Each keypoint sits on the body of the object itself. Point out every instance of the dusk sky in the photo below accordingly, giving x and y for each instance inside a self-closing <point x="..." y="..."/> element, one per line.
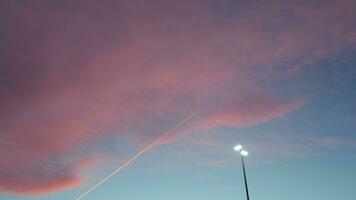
<point x="87" y="84"/>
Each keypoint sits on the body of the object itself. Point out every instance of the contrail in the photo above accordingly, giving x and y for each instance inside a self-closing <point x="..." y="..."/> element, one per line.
<point x="156" y="142"/>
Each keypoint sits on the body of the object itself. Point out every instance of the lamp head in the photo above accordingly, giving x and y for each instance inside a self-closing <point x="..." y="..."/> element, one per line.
<point x="244" y="153"/>
<point x="238" y="147"/>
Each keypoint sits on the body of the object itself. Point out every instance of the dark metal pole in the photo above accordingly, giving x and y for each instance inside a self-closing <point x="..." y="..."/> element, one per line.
<point x="243" y="168"/>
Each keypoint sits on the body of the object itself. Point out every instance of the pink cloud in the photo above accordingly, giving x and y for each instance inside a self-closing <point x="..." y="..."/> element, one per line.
<point x="73" y="74"/>
<point x="28" y="177"/>
<point x="251" y="110"/>
<point x="39" y="186"/>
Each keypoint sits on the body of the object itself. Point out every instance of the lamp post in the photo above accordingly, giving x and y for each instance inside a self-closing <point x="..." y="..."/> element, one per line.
<point x="243" y="154"/>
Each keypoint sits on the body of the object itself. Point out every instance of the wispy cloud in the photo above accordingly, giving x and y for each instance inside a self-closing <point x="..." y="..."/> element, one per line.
<point x="251" y="110"/>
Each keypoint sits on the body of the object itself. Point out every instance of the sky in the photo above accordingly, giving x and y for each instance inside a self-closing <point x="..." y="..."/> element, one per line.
<point x="86" y="84"/>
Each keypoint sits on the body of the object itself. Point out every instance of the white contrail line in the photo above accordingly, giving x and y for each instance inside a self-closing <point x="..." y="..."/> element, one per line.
<point x="170" y="131"/>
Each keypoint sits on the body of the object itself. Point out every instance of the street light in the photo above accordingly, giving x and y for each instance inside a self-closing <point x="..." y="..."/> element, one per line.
<point x="243" y="154"/>
<point x="238" y="147"/>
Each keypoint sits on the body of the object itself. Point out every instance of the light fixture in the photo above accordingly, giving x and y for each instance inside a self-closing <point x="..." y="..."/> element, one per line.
<point x="244" y="153"/>
<point x="238" y="147"/>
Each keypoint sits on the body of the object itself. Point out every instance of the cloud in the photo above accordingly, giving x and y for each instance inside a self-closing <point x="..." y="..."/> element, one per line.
<point x="74" y="73"/>
<point x="252" y="110"/>
<point x="35" y="179"/>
